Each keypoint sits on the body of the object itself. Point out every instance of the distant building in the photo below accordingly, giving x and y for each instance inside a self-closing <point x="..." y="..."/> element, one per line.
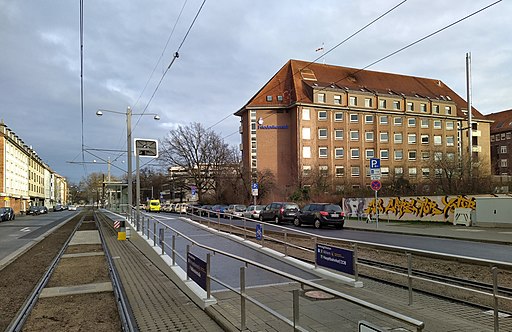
<point x="501" y="142"/>
<point x="24" y="178"/>
<point x="330" y="120"/>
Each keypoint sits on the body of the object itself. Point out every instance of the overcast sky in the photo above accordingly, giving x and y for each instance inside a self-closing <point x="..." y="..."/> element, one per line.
<point x="233" y="49"/>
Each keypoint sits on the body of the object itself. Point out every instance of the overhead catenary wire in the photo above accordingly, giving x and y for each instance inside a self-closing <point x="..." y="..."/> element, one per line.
<point x="403" y="48"/>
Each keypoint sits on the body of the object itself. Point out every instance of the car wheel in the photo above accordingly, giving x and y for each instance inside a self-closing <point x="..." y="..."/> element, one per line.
<point x="297" y="222"/>
<point x="318" y="224"/>
<point x="277" y="219"/>
<point x="261" y="217"/>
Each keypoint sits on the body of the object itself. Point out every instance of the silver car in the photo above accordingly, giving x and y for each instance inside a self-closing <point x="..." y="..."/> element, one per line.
<point x="253" y="211"/>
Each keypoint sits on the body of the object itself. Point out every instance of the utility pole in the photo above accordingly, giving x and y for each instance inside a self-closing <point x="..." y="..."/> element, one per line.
<point x="470" y="115"/>
<point x="129" y="157"/>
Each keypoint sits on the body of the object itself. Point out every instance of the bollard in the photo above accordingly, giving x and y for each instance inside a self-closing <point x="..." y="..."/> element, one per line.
<point x="121" y="234"/>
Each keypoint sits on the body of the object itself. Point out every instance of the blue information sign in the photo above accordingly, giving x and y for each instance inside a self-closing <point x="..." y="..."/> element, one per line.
<point x="335" y="258"/>
<point x="374" y="163"/>
<point x="196" y="270"/>
<point x="259" y="232"/>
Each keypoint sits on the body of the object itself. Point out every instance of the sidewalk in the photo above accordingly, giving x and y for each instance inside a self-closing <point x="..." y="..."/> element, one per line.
<point x="432" y="229"/>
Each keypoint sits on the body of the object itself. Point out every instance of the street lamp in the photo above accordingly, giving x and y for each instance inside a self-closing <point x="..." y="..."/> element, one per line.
<point x="128" y="115"/>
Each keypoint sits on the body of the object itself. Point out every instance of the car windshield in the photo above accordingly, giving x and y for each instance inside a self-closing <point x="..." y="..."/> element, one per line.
<point x="291" y="206"/>
<point x="332" y="208"/>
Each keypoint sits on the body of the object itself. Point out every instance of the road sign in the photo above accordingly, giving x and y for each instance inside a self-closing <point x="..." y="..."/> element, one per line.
<point x="376" y="185"/>
<point x="146" y="147"/>
<point x="259" y="232"/>
<point x="255" y="187"/>
<point x="374" y="163"/>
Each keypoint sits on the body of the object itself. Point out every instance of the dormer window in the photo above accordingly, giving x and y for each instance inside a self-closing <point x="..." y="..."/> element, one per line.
<point x="269" y="98"/>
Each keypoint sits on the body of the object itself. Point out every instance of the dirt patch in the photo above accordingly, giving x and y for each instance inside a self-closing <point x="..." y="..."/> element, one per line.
<point x="82" y="248"/>
<point x="88" y="226"/>
<point x="87" y="312"/>
<point x="79" y="271"/>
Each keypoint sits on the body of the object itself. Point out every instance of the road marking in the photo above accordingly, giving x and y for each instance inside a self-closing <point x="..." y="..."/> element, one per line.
<point x="505" y="232"/>
<point x="469" y="230"/>
<point x="25" y="229"/>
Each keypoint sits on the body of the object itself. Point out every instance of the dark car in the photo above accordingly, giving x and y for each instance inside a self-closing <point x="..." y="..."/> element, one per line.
<point x="43" y="209"/>
<point x="6" y="214"/>
<point x="279" y="212"/>
<point x="219" y="210"/>
<point x="320" y="215"/>
<point x="34" y="210"/>
<point x="58" y="207"/>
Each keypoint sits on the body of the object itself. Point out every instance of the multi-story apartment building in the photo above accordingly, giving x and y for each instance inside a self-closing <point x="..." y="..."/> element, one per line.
<point x="331" y="120"/>
<point x="501" y="142"/>
<point x="24" y="177"/>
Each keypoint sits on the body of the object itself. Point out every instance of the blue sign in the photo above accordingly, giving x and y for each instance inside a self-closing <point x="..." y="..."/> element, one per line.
<point x="259" y="232"/>
<point x="255" y="185"/>
<point x="374" y="163"/>
<point x="335" y="258"/>
<point x="196" y="270"/>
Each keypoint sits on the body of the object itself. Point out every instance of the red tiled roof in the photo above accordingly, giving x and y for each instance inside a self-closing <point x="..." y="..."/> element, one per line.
<point x="292" y="85"/>
<point x="502" y="121"/>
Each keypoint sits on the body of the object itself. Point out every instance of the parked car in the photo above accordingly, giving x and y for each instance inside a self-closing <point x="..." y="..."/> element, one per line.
<point x="205" y="209"/>
<point x="279" y="212"/>
<point x="219" y="210"/>
<point x="6" y="214"/>
<point x="320" y="215"/>
<point x="72" y="207"/>
<point x="236" y="210"/>
<point x="192" y="207"/>
<point x="33" y="210"/>
<point x="253" y="211"/>
<point x="43" y="209"/>
<point x="57" y="207"/>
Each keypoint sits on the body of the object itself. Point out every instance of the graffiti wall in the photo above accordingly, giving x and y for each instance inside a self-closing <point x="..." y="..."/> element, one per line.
<point x="423" y="208"/>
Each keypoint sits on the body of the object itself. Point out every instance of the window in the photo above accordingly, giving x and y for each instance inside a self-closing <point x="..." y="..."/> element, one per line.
<point x="425" y="155"/>
<point x="279" y="98"/>
<point x="423" y="108"/>
<point x="354" y="135"/>
<point x="354" y="153"/>
<point x="322" y="115"/>
<point x="509" y="135"/>
<point x="306" y="133"/>
<point x="269" y="98"/>
<point x="450" y="156"/>
<point x="306" y="152"/>
<point x="503" y="149"/>
<point x="352" y="101"/>
<point x="399" y="171"/>
<point x="412" y="155"/>
<point x="338" y="134"/>
<point x="355" y="171"/>
<point x="411" y="138"/>
<point x="413" y="171"/>
<point x="435" y="109"/>
<point x="305" y="114"/>
<point x="438" y="140"/>
<point x="339" y="153"/>
<point x="321" y="97"/>
<point x="322" y="152"/>
<point x="438" y="156"/>
<point x="424" y="139"/>
<point x="438" y="172"/>
<point x="448" y="110"/>
<point x="338" y="116"/>
<point x="337" y="99"/>
<point x="411" y="122"/>
<point x="322" y="133"/>
<point x="368" y="136"/>
<point x="383" y="119"/>
<point x="368" y="102"/>
<point x="397" y="121"/>
<point x="410" y="106"/>
<point x="306" y="170"/>
<point x="437" y="124"/>
<point x="450" y="141"/>
<point x="340" y="171"/>
<point x="425" y="172"/>
<point x="354" y="117"/>
<point x="449" y="125"/>
<point x="382" y="103"/>
<point x="384" y="171"/>
<point x="396" y="105"/>
<point x="497" y="137"/>
<point x="503" y="163"/>
<point x="368" y="119"/>
<point x="424" y="123"/>
<point x="384" y="137"/>
<point x="399" y="154"/>
<point x="384" y="154"/>
<point x="398" y="138"/>
<point x="324" y="170"/>
<point x="369" y="153"/>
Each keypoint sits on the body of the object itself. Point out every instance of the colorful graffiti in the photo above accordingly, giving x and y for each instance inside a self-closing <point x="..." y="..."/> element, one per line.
<point x="420" y="207"/>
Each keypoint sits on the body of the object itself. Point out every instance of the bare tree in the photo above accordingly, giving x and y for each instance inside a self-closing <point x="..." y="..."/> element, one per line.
<point x="199" y="152"/>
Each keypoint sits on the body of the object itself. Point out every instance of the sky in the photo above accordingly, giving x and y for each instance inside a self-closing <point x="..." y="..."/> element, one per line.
<point x="229" y="53"/>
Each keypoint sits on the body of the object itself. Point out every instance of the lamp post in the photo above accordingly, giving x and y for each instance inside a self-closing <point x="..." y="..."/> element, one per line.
<point x="128" y="115"/>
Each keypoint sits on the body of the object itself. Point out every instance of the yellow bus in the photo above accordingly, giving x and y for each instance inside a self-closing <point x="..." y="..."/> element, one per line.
<point x="154" y="205"/>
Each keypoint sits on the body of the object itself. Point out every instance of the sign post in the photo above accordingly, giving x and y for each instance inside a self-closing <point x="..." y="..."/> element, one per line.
<point x="375" y="184"/>
<point x="144" y="148"/>
<point x="255" y="188"/>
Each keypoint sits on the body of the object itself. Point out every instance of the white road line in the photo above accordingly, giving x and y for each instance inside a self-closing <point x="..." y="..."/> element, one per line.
<point x="25" y="229"/>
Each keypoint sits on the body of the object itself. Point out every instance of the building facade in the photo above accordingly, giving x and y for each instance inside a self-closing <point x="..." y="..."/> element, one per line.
<point x="501" y="142"/>
<point x="24" y="178"/>
<point x="329" y="120"/>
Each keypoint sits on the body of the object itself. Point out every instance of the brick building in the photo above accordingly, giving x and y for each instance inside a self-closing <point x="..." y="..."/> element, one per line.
<point x="330" y="120"/>
<point x="501" y="142"/>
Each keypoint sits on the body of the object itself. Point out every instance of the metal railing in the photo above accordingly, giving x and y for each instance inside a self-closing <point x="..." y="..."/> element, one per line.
<point x="150" y="227"/>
